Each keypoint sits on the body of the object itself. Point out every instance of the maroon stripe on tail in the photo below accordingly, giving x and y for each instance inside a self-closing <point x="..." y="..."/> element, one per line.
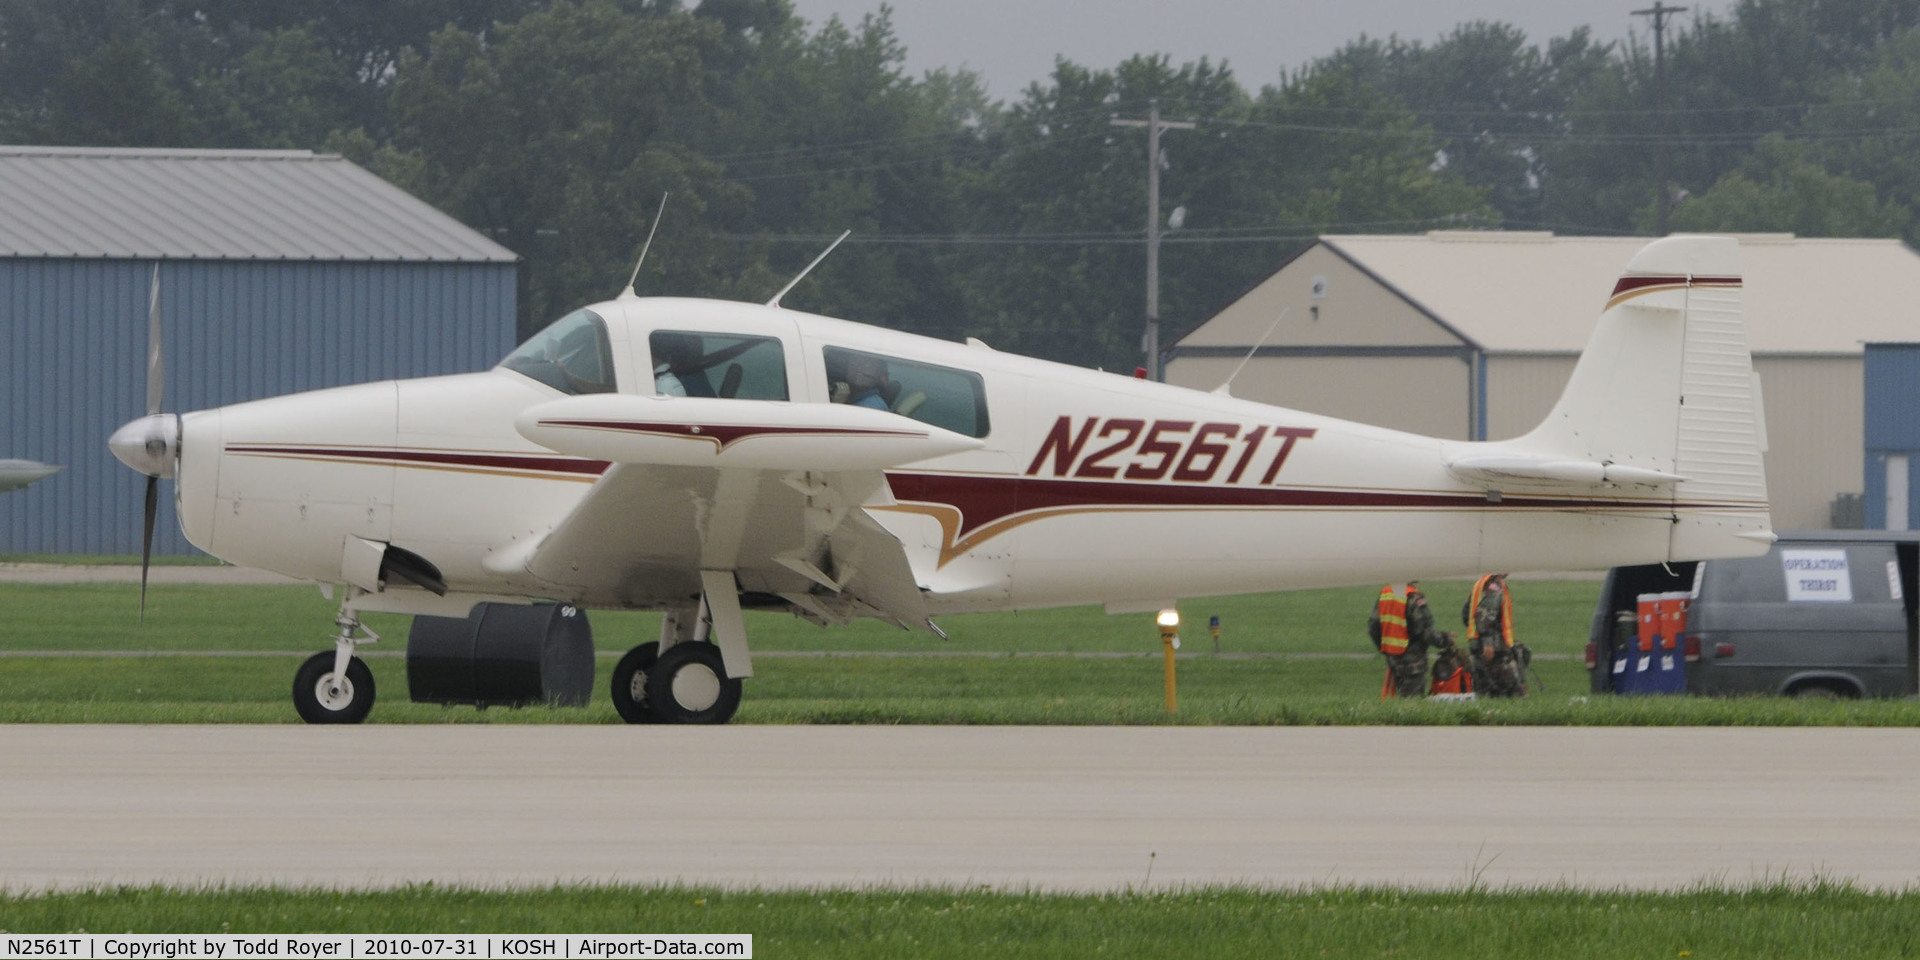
<point x="1630" y="284"/>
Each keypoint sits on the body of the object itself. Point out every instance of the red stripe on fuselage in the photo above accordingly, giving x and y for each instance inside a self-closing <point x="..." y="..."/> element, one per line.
<point x="723" y="434"/>
<point x="436" y="458"/>
<point x="984" y="500"/>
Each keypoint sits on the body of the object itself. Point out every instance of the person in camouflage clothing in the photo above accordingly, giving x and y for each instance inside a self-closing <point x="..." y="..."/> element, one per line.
<point x="1499" y="664"/>
<point x="1401" y="627"/>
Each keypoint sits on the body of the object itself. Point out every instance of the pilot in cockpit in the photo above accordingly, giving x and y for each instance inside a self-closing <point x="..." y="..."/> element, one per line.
<point x="679" y="365"/>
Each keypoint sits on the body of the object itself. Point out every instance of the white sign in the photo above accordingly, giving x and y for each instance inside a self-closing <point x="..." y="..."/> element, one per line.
<point x="1817" y="576"/>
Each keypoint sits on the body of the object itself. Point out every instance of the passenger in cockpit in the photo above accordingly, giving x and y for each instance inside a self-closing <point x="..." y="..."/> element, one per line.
<point x="866" y="377"/>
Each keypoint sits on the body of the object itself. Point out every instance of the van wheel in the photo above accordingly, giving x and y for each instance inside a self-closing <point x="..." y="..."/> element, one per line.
<point x="1819" y="691"/>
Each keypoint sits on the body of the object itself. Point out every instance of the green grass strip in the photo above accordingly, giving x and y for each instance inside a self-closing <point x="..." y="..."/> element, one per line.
<point x="1553" y="616"/>
<point x="1785" y="919"/>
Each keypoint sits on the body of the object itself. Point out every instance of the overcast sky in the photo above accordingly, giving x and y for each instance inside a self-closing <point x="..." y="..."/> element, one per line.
<point x="1013" y="42"/>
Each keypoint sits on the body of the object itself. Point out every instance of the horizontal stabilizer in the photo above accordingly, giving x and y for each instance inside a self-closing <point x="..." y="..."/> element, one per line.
<point x="743" y="434"/>
<point x="1497" y="469"/>
<point x="15" y="474"/>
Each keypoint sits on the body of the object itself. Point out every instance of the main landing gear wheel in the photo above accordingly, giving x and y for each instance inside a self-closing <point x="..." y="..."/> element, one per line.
<point x="688" y="684"/>
<point x="322" y="697"/>
<point x="630" y="684"/>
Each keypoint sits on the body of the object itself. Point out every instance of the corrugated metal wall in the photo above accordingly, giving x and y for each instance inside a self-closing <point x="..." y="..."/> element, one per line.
<point x="1892" y="426"/>
<point x="1420" y="394"/>
<point x="75" y="334"/>
<point x="1521" y="391"/>
<point x="1813" y="435"/>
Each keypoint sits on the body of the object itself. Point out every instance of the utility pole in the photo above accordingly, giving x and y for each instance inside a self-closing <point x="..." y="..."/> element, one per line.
<point x="1154" y="125"/>
<point x="1663" y="202"/>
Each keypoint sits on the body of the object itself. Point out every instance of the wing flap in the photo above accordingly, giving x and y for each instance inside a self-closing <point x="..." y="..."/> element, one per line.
<point x="644" y="535"/>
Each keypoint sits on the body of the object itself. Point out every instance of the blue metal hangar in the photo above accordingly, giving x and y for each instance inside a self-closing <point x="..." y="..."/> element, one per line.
<point x="280" y="270"/>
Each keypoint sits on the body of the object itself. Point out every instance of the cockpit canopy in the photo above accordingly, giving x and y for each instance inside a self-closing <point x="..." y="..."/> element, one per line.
<point x="572" y="355"/>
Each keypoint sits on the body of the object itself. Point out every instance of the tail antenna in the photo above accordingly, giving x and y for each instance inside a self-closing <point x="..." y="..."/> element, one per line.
<point x="803" y="274"/>
<point x="629" y="294"/>
<point x="1275" y="325"/>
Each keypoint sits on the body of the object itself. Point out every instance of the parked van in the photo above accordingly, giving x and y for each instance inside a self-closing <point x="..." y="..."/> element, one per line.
<point x="1827" y="613"/>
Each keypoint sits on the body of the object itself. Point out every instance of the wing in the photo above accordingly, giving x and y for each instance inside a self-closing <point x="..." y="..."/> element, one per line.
<point x="770" y="491"/>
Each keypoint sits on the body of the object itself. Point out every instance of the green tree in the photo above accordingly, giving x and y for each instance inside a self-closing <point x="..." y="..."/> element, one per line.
<point x="1269" y="169"/>
<point x="828" y="134"/>
<point x="1496" y="103"/>
<point x="547" y="135"/>
<point x="98" y="73"/>
<point x="1781" y="189"/>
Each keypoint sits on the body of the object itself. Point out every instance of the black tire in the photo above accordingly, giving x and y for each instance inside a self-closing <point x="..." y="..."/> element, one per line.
<point x="629" y="687"/>
<point x="1821" y="691"/>
<point x="689" y="684"/>
<point x="319" y="700"/>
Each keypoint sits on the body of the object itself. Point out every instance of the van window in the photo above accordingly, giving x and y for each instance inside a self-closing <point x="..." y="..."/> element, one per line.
<point x="724" y="365"/>
<point x="572" y="355"/>
<point x="943" y="396"/>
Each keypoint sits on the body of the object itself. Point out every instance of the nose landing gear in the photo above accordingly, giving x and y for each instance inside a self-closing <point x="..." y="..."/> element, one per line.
<point x="336" y="686"/>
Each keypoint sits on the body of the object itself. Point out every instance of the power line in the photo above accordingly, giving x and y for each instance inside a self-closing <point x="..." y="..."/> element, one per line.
<point x="1523" y="138"/>
<point x="1270" y="233"/>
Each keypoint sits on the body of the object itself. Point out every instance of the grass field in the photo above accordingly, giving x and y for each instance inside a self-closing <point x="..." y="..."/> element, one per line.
<point x="1782" y="920"/>
<point x="1553" y="616"/>
<point x="1285" y="658"/>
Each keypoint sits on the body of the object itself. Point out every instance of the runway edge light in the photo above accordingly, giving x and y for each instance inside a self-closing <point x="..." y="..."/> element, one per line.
<point x="1170" y="641"/>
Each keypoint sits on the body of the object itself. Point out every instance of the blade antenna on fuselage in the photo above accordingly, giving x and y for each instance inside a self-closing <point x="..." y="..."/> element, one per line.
<point x="803" y="274"/>
<point x="657" y="214"/>
<point x="1222" y="388"/>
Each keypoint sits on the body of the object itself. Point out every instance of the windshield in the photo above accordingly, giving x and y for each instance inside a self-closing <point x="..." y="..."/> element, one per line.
<point x="572" y="356"/>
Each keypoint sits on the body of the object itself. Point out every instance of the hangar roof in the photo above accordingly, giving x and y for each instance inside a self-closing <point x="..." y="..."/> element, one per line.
<point x="1511" y="292"/>
<point x="218" y="204"/>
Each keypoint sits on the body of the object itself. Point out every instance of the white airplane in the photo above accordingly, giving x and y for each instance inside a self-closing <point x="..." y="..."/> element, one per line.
<point x="700" y="457"/>
<point x="15" y="474"/>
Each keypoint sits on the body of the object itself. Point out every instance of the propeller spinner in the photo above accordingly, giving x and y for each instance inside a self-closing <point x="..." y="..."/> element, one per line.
<point x="150" y="444"/>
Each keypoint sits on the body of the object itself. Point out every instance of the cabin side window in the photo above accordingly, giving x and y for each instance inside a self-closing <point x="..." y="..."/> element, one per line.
<point x="572" y="355"/>
<point x="943" y="396"/>
<point x="728" y="366"/>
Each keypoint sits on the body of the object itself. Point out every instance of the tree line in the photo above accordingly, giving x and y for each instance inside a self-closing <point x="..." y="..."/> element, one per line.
<point x="555" y="127"/>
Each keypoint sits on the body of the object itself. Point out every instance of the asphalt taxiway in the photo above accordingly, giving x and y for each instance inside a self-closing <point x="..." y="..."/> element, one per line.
<point x="1084" y="808"/>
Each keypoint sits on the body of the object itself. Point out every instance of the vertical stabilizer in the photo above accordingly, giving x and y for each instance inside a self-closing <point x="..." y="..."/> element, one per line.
<point x="1666" y="385"/>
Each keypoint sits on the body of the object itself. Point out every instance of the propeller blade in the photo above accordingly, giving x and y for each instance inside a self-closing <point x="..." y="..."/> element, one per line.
<point x="146" y="541"/>
<point x="156" y="370"/>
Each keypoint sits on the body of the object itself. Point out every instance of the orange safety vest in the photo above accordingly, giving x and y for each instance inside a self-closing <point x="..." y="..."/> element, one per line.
<point x="1506" y="612"/>
<point x="1393" y="622"/>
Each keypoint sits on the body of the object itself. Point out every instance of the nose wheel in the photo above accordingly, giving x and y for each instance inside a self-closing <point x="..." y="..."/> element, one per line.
<point x="322" y="694"/>
<point x="336" y="686"/>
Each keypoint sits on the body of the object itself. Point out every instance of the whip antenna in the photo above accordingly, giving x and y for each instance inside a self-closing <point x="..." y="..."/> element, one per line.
<point x="648" y="245"/>
<point x="1222" y="388"/>
<point x="803" y="274"/>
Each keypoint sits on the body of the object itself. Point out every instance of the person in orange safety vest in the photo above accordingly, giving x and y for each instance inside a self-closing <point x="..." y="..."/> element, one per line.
<point x="1499" y="664"/>
<point x="1401" y="627"/>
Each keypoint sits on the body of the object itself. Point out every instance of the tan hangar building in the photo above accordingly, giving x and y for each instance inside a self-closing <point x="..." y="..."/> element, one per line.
<point x="1472" y="335"/>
